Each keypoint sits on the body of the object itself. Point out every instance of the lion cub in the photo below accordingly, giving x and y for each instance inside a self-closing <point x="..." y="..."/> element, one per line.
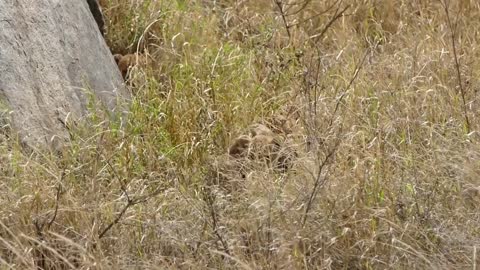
<point x="262" y="145"/>
<point x="126" y="62"/>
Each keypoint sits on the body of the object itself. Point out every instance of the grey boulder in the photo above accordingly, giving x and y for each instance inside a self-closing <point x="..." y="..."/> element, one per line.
<point x="52" y="57"/>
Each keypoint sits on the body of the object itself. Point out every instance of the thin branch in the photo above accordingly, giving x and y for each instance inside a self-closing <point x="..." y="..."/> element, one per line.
<point x="57" y="199"/>
<point x="130" y="202"/>
<point x="210" y="200"/>
<point x="284" y="19"/>
<point x="302" y="5"/>
<point x="314" y="15"/>
<point x="453" y="30"/>
<point x="335" y="17"/>
<point x="319" y="181"/>
<point x="117" y="219"/>
<point x="358" y="67"/>
<point x="122" y="185"/>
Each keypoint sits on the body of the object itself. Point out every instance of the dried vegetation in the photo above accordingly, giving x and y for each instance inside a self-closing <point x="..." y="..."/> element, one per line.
<point x="266" y="134"/>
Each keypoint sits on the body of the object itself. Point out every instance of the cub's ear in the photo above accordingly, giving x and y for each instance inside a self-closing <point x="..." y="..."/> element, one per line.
<point x="240" y="146"/>
<point x="117" y="57"/>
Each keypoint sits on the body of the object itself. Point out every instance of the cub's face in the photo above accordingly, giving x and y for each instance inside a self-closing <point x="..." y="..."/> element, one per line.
<point x="125" y="62"/>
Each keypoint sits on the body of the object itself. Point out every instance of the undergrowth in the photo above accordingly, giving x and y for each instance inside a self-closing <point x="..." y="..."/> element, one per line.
<point x="380" y="99"/>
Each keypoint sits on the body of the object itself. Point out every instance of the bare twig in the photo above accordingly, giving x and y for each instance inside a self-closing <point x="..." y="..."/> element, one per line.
<point x="39" y="252"/>
<point x="314" y="15"/>
<point x="117" y="219"/>
<point x="57" y="199"/>
<point x="130" y="202"/>
<point x="453" y="31"/>
<point x="302" y="5"/>
<point x="210" y="200"/>
<point x="122" y="185"/>
<point x="335" y="17"/>
<point x="319" y="181"/>
<point x="284" y="19"/>
<point x="41" y="226"/>
<point x="356" y="71"/>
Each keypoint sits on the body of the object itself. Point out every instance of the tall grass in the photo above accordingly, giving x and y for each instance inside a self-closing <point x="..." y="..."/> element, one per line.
<point x="385" y="169"/>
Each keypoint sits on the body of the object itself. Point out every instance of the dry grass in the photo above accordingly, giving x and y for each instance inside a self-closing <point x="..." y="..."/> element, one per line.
<point x="383" y="122"/>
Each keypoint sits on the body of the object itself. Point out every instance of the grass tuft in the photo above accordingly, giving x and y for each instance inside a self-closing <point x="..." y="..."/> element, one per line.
<point x="375" y="102"/>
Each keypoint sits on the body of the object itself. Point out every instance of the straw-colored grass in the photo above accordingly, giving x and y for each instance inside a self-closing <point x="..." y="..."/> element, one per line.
<point x="382" y="115"/>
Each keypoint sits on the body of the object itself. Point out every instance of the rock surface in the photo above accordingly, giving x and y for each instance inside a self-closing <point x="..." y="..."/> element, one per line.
<point x="52" y="55"/>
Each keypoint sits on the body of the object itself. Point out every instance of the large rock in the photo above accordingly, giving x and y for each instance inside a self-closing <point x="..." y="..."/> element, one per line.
<point x="52" y="55"/>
